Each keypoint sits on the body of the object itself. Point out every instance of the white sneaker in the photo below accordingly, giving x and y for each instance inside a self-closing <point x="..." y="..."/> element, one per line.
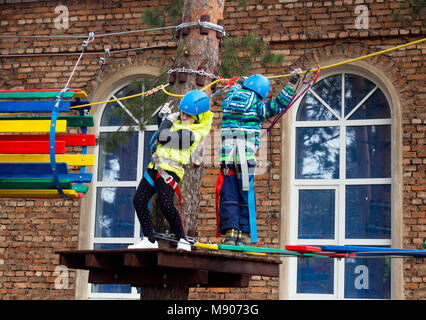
<point x="183" y="245"/>
<point x="144" y="243"/>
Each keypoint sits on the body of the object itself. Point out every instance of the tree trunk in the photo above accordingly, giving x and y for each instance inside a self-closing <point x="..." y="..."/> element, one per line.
<point x="200" y="51"/>
<point x="198" y="48"/>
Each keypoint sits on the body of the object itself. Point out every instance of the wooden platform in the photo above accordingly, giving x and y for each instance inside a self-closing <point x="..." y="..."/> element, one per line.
<point x="160" y="267"/>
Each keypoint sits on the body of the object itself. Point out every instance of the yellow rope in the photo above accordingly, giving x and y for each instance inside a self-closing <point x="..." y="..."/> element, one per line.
<point x="270" y="77"/>
<point x="356" y="59"/>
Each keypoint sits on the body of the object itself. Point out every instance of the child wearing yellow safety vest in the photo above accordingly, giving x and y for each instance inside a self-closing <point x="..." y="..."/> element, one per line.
<point x="176" y="139"/>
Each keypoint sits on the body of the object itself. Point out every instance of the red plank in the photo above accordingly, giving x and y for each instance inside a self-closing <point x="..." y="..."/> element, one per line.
<point x="303" y="249"/>
<point x="69" y="139"/>
<point x="30" y="147"/>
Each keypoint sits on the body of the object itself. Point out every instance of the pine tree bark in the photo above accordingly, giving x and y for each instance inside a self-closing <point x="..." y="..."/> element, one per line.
<point x="198" y="48"/>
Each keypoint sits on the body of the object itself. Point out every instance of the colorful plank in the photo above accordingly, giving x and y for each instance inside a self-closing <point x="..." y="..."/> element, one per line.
<point x="41" y="94"/>
<point x="69" y="139"/>
<point x="33" y="184"/>
<point x="30" y="169"/>
<point x="317" y="250"/>
<point x="38" y="106"/>
<point x="29" y="147"/>
<point x="39" y="194"/>
<point x="250" y="249"/>
<point x="375" y="250"/>
<point x="72" y="121"/>
<point x="40" y="171"/>
<point x="69" y="159"/>
<point x="10" y="126"/>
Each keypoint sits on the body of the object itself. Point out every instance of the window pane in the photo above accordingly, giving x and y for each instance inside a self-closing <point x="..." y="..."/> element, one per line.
<point x="311" y="109"/>
<point x="111" y="288"/>
<point x="356" y="88"/>
<point x="368" y="152"/>
<point x="316" y="214"/>
<point x="368" y="212"/>
<point x="315" y="275"/>
<point x="115" y="216"/>
<point x="368" y="278"/>
<point x="330" y="90"/>
<point x="119" y="164"/>
<point x="114" y="115"/>
<point x="317" y="153"/>
<point x="376" y="107"/>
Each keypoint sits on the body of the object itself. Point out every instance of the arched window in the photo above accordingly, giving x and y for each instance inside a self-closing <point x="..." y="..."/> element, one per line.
<point x="341" y="186"/>
<point x="116" y="177"/>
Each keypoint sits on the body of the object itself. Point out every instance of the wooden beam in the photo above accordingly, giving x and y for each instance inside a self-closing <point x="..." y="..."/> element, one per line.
<point x="168" y="259"/>
<point x="158" y="277"/>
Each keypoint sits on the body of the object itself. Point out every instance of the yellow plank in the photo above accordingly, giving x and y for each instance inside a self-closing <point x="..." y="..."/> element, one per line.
<point x="70" y="159"/>
<point x="31" y="125"/>
<point x="81" y="95"/>
<point x="206" y="246"/>
<point x="36" y="194"/>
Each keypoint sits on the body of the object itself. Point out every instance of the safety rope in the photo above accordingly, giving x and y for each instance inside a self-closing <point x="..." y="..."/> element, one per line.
<point x="312" y="70"/>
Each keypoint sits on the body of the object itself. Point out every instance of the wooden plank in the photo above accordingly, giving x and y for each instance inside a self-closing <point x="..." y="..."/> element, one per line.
<point x="30" y="169"/>
<point x="38" y="194"/>
<point x="39" y="106"/>
<point x="99" y="261"/>
<point x="156" y="277"/>
<point x="135" y="260"/>
<point x="80" y="188"/>
<point x="40" y="171"/>
<point x="70" y="139"/>
<point x="72" y="121"/>
<point x="33" y="184"/>
<point x="29" y="147"/>
<point x="167" y="259"/>
<point x="31" y="126"/>
<point x="69" y="159"/>
<point x="72" y="177"/>
<point x="41" y="94"/>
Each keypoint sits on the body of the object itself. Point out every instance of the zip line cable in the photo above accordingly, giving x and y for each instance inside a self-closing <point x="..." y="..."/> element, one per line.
<point x="87" y="53"/>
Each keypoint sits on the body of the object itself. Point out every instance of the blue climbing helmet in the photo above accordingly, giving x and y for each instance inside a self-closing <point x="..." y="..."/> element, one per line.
<point x="259" y="84"/>
<point x="195" y="102"/>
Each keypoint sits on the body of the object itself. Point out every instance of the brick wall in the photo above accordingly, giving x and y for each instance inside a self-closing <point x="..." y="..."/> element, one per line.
<point x="31" y="231"/>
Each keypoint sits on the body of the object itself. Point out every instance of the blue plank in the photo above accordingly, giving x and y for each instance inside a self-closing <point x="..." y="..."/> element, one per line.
<point x="30" y="168"/>
<point x="73" y="177"/>
<point x="375" y="250"/>
<point x="38" y="106"/>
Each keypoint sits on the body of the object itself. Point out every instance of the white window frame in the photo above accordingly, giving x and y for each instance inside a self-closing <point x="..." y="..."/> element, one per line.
<point x="97" y="184"/>
<point x="337" y="184"/>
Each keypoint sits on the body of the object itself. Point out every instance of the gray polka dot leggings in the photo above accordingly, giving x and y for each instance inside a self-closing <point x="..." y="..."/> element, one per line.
<point x="166" y="195"/>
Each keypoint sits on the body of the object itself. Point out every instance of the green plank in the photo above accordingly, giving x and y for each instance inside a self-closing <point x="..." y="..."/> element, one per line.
<point x="33" y="184"/>
<point x="72" y="121"/>
<point x="35" y="95"/>
<point x="80" y="188"/>
<point x="264" y="250"/>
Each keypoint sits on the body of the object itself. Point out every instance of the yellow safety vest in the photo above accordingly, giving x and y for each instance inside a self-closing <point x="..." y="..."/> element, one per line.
<point x="174" y="159"/>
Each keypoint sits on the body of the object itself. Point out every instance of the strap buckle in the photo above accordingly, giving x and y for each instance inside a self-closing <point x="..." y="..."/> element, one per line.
<point x="225" y="171"/>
